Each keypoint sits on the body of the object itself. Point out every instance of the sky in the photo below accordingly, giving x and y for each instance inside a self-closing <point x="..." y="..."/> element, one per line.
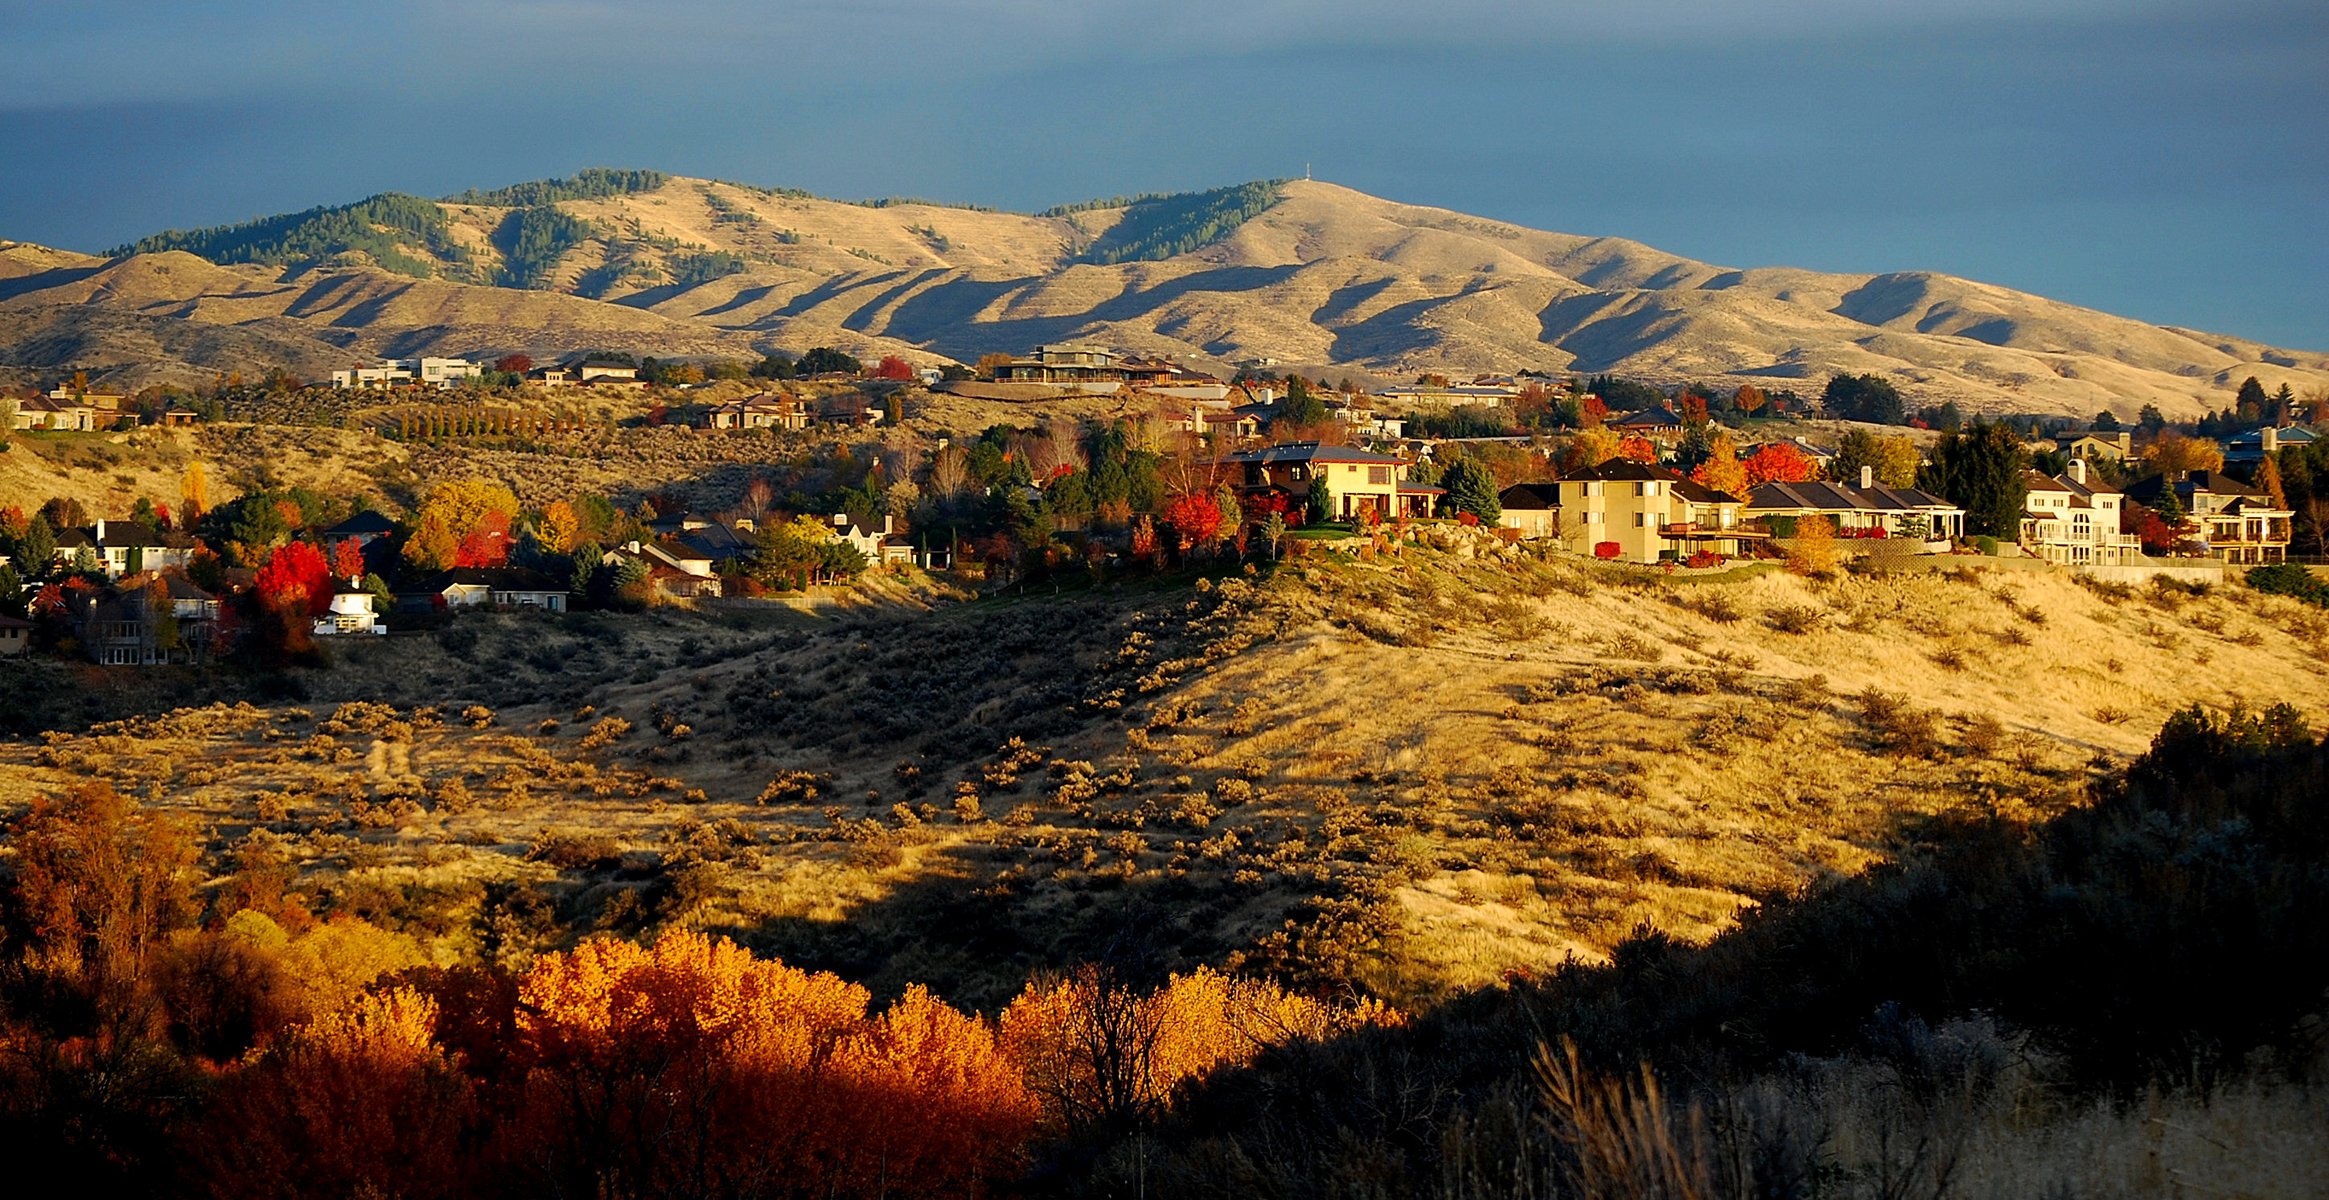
<point x="2161" y="159"/>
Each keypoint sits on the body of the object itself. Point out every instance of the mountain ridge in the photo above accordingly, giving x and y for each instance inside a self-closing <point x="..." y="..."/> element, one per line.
<point x="1307" y="274"/>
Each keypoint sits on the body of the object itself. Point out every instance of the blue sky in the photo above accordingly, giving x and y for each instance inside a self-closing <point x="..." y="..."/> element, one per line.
<point x="2161" y="159"/>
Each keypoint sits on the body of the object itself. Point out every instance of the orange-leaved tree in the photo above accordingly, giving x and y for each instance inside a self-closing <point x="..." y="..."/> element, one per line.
<point x="1779" y="463"/>
<point x="1195" y="518"/>
<point x="359" y="1102"/>
<point x="691" y="1066"/>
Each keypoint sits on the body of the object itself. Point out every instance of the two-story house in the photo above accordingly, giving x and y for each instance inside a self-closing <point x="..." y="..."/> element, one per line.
<point x="2076" y="520"/>
<point x="1357" y="481"/>
<point x="2230" y="519"/>
<point x="1641" y="512"/>
<point x="124" y="548"/>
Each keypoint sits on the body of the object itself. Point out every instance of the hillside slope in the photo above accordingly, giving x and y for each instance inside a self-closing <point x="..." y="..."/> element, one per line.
<point x="1310" y="274"/>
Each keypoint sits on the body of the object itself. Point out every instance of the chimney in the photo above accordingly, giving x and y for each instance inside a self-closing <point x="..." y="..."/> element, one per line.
<point x="2271" y="439"/>
<point x="2078" y="471"/>
<point x="2126" y="443"/>
<point x="1867" y="477"/>
<point x="100" y="531"/>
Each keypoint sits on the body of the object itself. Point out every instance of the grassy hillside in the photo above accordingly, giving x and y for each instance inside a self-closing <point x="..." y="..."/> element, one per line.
<point x="1315" y="276"/>
<point x="1407" y="777"/>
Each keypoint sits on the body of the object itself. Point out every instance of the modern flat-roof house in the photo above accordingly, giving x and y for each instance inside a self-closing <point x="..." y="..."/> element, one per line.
<point x="2234" y="521"/>
<point x="1861" y="511"/>
<point x="2076" y="520"/>
<point x="1532" y="508"/>
<point x="1357" y="481"/>
<point x="1643" y="513"/>
<point x="395" y="372"/>
<point x="1068" y="363"/>
<point x="1427" y="395"/>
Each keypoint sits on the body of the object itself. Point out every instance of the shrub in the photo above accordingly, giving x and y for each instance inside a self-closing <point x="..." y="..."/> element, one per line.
<point x="2290" y="579"/>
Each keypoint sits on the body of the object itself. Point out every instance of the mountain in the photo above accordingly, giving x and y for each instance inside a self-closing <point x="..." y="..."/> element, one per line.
<point x="1311" y="275"/>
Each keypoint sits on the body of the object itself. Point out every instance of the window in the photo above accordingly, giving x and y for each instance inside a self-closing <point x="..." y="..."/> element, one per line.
<point x="1378" y="476"/>
<point x="1641" y="489"/>
<point x="1641" y="520"/>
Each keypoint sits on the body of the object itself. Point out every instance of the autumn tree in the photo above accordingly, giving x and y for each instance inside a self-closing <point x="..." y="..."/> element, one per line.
<point x="2268" y="481"/>
<point x="1194" y="518"/>
<point x="1722" y="471"/>
<point x="1590" y="447"/>
<point x="451" y="514"/>
<point x="98" y="886"/>
<point x="347" y="560"/>
<point x="359" y="1102"/>
<point x="1779" y="462"/>
<point x="1812" y="550"/>
<point x="2175" y="456"/>
<point x="1749" y="399"/>
<point x="560" y="526"/>
<point x="193" y="494"/>
<point x="891" y="367"/>
<point x="1638" y="448"/>
<point x="295" y="578"/>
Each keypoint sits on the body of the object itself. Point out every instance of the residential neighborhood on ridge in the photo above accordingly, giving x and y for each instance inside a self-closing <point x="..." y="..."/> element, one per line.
<point x="1172" y="465"/>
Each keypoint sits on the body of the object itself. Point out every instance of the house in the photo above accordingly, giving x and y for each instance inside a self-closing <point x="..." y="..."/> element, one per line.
<point x="146" y="620"/>
<point x="767" y="411"/>
<point x="1364" y="421"/>
<point x="1357" y="481"/>
<point x="393" y="372"/>
<point x="599" y="370"/>
<point x="1660" y="424"/>
<point x="1426" y="395"/>
<point x="350" y="614"/>
<point x="15" y="636"/>
<point x="493" y="587"/>
<point x="554" y="376"/>
<point x="2099" y="447"/>
<point x="41" y="412"/>
<point x="2230" y="519"/>
<point x="2076" y="520"/>
<point x="880" y="547"/>
<point x="1865" y="511"/>
<point x="1075" y="364"/>
<point x="362" y="528"/>
<point x="1236" y="425"/>
<point x="1641" y="512"/>
<point x="2249" y="450"/>
<point x="124" y="548"/>
<point x="104" y="407"/>
<point x="1532" y="508"/>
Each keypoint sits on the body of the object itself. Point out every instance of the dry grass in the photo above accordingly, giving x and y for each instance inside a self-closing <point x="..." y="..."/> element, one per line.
<point x="1538" y="760"/>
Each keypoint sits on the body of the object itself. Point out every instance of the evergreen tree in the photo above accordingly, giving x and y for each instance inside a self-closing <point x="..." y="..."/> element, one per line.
<point x="2150" y="419"/>
<point x="1981" y="471"/>
<point x="1301" y="405"/>
<point x="1471" y="489"/>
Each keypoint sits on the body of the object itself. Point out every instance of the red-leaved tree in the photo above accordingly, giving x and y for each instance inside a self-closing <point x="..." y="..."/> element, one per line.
<point x="1194" y="518"/>
<point x="893" y="367"/>
<point x="295" y="577"/>
<point x="487" y="545"/>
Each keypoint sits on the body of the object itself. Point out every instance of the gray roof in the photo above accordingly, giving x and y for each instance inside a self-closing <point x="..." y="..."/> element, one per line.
<point x="1836" y="497"/>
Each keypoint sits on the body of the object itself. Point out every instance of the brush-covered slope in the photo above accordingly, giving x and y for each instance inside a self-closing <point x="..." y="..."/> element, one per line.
<point x="1406" y="776"/>
<point x="1310" y="274"/>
